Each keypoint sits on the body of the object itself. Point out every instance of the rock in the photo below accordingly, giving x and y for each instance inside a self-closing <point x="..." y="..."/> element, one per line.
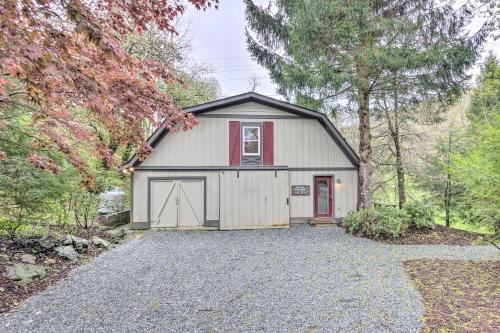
<point x="24" y="273"/>
<point x="80" y="244"/>
<point x="115" y="234"/>
<point x="99" y="242"/>
<point x="28" y="258"/>
<point x="49" y="261"/>
<point x="103" y="228"/>
<point x="47" y="242"/>
<point x="67" y="252"/>
<point x="67" y="240"/>
<point x="28" y="242"/>
<point x="115" y="219"/>
<point x="2" y="290"/>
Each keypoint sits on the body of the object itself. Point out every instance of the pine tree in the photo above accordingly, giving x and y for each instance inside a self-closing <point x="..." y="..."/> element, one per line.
<point x="327" y="53"/>
<point x="477" y="167"/>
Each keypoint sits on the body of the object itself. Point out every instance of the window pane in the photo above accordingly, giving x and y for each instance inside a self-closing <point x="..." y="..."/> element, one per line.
<point x="323" y="196"/>
<point x="251" y="133"/>
<point x="251" y="147"/>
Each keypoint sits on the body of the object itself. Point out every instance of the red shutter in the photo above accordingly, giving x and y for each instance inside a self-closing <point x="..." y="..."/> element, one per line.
<point x="268" y="151"/>
<point x="234" y="143"/>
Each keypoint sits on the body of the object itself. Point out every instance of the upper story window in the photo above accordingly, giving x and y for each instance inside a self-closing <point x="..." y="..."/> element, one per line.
<point x="251" y="139"/>
<point x="251" y="143"/>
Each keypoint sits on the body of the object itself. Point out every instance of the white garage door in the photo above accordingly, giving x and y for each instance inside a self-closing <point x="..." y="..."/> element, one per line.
<point x="254" y="199"/>
<point x="177" y="203"/>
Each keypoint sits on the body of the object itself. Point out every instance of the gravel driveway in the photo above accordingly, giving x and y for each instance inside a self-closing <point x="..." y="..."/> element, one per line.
<point x="302" y="279"/>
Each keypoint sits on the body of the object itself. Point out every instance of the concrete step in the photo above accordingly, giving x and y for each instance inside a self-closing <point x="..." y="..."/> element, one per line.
<point x="323" y="221"/>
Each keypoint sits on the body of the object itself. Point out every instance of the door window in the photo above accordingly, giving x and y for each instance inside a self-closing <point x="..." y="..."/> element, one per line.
<point x="323" y="196"/>
<point x="323" y="203"/>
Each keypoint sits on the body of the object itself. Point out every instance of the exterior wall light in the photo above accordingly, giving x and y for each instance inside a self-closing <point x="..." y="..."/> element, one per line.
<point x="127" y="170"/>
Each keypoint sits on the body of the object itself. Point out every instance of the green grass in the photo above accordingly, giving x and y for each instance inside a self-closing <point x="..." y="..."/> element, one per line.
<point x="415" y="193"/>
<point x="390" y="193"/>
<point x="462" y="225"/>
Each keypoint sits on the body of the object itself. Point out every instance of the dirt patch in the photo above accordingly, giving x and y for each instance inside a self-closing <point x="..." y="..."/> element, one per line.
<point x="12" y="294"/>
<point x="459" y="296"/>
<point x="440" y="235"/>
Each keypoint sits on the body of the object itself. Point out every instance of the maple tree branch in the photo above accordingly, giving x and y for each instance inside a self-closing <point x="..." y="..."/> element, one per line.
<point x="17" y="93"/>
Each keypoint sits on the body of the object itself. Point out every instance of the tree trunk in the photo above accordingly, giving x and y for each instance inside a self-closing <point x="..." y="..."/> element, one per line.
<point x="447" y="189"/>
<point x="447" y="199"/>
<point x="400" y="173"/>
<point x="365" y="151"/>
<point x="394" y="132"/>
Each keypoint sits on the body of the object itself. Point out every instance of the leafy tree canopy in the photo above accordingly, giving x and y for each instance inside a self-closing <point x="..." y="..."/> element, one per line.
<point x="477" y="169"/>
<point x="323" y="52"/>
<point x="62" y="61"/>
<point x="327" y="53"/>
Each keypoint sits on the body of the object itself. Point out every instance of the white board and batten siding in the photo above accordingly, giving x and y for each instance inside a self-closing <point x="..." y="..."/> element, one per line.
<point x="248" y="200"/>
<point x="254" y="199"/>
<point x="344" y="193"/>
<point x="243" y="199"/>
<point x="298" y="143"/>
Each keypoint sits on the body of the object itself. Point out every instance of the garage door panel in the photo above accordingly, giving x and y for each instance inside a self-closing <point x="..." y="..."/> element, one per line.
<point x="163" y="203"/>
<point x="284" y="210"/>
<point x="254" y="199"/>
<point x="191" y="203"/>
<point x="177" y="203"/>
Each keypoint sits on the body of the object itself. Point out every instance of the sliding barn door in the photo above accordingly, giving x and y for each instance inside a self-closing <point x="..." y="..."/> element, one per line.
<point x="254" y="199"/>
<point x="191" y="203"/>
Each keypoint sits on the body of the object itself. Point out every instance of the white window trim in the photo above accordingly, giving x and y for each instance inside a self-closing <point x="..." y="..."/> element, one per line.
<point x="243" y="141"/>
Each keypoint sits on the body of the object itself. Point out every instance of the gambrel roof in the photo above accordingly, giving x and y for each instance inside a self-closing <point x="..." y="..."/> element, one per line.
<point x="264" y="100"/>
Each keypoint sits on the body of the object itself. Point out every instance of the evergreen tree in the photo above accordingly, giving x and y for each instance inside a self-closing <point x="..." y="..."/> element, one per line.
<point x="477" y="168"/>
<point x="325" y="53"/>
<point x="437" y="179"/>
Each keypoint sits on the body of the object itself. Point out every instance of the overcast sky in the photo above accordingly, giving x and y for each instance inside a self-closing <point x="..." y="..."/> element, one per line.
<point x="218" y="38"/>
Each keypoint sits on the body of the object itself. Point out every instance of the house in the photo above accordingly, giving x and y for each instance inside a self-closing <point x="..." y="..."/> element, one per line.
<point x="251" y="162"/>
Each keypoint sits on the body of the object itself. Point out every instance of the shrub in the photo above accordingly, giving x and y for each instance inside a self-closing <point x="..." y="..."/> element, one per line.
<point x="390" y="222"/>
<point x="360" y="222"/>
<point x="421" y="215"/>
<point x="376" y="223"/>
<point x="27" y="194"/>
<point x="9" y="227"/>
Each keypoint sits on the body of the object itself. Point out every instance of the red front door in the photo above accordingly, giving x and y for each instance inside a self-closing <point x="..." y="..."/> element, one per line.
<point x="323" y="203"/>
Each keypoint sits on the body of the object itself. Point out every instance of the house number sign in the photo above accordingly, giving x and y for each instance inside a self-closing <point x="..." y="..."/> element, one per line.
<point x="301" y="190"/>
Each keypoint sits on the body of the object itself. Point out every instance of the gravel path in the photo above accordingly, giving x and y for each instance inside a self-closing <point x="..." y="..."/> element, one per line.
<point x="302" y="279"/>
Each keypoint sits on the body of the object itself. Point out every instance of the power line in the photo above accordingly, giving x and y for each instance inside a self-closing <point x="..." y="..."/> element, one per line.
<point x="220" y="58"/>
<point x="235" y="70"/>
<point x="244" y="78"/>
<point x="234" y="66"/>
